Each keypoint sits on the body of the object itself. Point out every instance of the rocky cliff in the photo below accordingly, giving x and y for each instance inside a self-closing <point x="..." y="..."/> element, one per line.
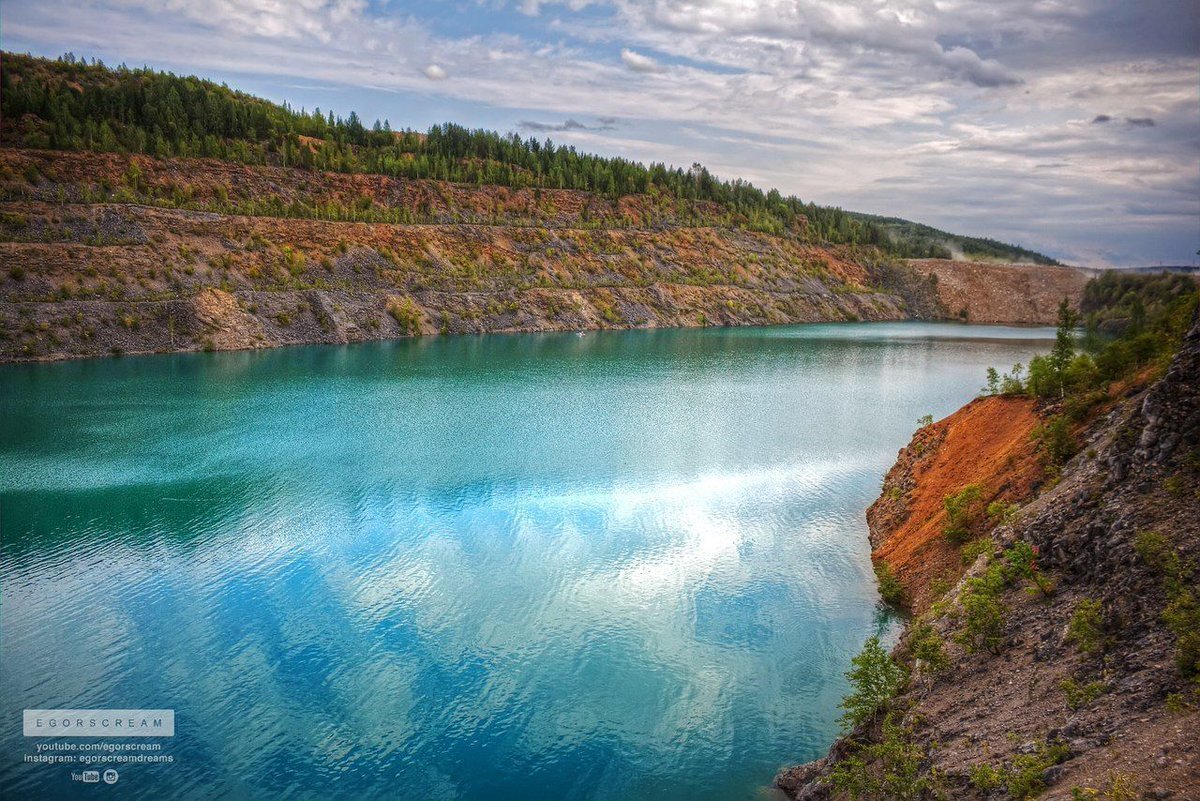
<point x="103" y="254"/>
<point x="110" y="253"/>
<point x="987" y="444"/>
<point x="988" y="292"/>
<point x="1064" y="663"/>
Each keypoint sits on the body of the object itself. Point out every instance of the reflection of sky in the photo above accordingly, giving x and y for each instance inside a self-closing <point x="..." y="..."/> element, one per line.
<point x="644" y="559"/>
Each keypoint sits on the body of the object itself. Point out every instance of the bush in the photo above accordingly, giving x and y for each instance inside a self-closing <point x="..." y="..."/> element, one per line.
<point x="293" y="261"/>
<point x="986" y="777"/>
<point x="1021" y="561"/>
<point x="1182" y="617"/>
<point x="407" y="315"/>
<point x="890" y="589"/>
<point x="1080" y="694"/>
<point x="1086" y="628"/>
<point x="984" y="613"/>
<point x="875" y="679"/>
<point x="1057" y="442"/>
<point x="1022" y="777"/>
<point x="964" y="509"/>
<point x="926" y="645"/>
<point x="1002" y="513"/>
<point x="1182" y="613"/>
<point x="984" y="617"/>
<point x="890" y="768"/>
<point x="972" y="550"/>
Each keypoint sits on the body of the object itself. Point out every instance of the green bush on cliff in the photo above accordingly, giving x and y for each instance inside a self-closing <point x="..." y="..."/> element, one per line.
<point x="926" y="646"/>
<point x="407" y="315"/>
<point x="1086" y="628"/>
<point x="888" y="768"/>
<point x="1079" y="695"/>
<point x="984" y="617"/>
<point x="1021" y="562"/>
<point x="1182" y="613"/>
<point x="1056" y="441"/>
<point x="964" y="509"/>
<point x="890" y="588"/>
<point x="1002" y="513"/>
<point x="976" y="548"/>
<point x="875" y="678"/>
<point x="1023" y="775"/>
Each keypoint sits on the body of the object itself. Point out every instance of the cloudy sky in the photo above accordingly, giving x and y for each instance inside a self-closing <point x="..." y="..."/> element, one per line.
<point x="1070" y="126"/>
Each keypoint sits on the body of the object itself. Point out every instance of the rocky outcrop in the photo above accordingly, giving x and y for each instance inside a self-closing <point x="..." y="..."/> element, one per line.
<point x="987" y="292"/>
<point x="1087" y="690"/>
<point x="171" y="280"/>
<point x="988" y="444"/>
<point x="109" y="253"/>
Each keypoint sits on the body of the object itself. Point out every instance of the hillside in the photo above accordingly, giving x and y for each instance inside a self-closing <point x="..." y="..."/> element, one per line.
<point x="68" y="104"/>
<point x="1058" y="657"/>
<point x="925" y="239"/>
<point x="91" y="278"/>
<point x="988" y="292"/>
<point x="143" y="212"/>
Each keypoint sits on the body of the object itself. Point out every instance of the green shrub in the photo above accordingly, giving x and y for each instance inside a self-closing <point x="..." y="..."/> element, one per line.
<point x="1022" y="776"/>
<point x="986" y="777"/>
<point x="1086" y="628"/>
<point x="973" y="549"/>
<point x="963" y="512"/>
<point x="875" y="678"/>
<point x="984" y="614"/>
<point x="1182" y="617"/>
<point x="1021" y="561"/>
<point x="1182" y="613"/>
<point x="1176" y="703"/>
<point x="890" y="589"/>
<point x="1002" y="513"/>
<point x="889" y="768"/>
<point x="407" y="314"/>
<point x="984" y="617"/>
<point x="1056" y="441"/>
<point x="1081" y="694"/>
<point x="293" y="261"/>
<point x="1158" y="552"/>
<point x="926" y="645"/>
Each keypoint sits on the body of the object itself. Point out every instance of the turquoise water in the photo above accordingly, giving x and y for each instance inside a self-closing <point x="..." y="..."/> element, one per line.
<point x="625" y="565"/>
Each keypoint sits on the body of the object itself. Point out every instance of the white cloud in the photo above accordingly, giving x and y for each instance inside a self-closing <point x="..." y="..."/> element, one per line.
<point x="969" y="114"/>
<point x="639" y="63"/>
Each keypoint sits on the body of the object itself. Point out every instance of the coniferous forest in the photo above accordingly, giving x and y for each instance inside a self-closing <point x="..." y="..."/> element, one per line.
<point x="73" y="104"/>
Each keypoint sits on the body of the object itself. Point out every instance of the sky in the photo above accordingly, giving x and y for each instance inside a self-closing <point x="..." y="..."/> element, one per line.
<point x="1068" y="126"/>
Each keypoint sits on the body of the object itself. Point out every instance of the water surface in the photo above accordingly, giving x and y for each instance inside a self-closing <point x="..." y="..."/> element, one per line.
<point x="623" y="565"/>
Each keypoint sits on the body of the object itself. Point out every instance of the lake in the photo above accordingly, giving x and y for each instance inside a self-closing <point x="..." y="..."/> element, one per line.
<point x="618" y="565"/>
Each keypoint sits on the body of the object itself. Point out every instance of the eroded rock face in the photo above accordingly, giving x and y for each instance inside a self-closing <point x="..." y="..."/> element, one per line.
<point x="169" y="280"/>
<point x="1170" y="414"/>
<point x="987" y="443"/>
<point x="1022" y="294"/>
<point x="221" y="322"/>
<point x="86" y="278"/>
<point x="1136" y="472"/>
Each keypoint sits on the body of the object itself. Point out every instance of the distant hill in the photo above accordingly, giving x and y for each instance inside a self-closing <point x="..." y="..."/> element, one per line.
<point x="923" y="238"/>
<point x="70" y="104"/>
